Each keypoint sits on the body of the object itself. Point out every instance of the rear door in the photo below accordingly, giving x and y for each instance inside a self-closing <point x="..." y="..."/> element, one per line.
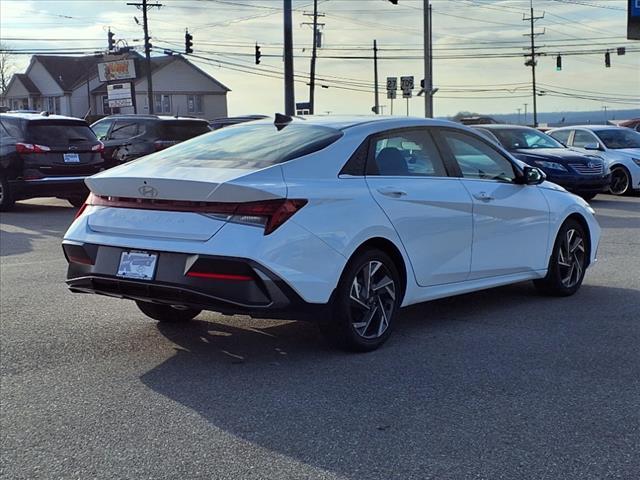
<point x="510" y="221"/>
<point x="430" y="211"/>
<point x="62" y="147"/>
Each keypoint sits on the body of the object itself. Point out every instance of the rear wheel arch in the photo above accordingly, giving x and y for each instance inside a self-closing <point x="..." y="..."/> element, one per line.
<point x="388" y="247"/>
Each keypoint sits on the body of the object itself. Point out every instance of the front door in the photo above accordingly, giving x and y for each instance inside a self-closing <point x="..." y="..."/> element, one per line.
<point x="430" y="211"/>
<point x="510" y="220"/>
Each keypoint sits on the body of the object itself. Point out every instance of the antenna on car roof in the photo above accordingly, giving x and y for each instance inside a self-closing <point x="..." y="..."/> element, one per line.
<point x="282" y="121"/>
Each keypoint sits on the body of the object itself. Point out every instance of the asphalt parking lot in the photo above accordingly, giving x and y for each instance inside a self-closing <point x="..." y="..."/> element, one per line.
<point x="502" y="384"/>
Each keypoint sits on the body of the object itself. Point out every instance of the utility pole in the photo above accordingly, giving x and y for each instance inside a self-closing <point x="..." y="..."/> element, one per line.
<point x="604" y="107"/>
<point x="519" y="110"/>
<point x="525" y="113"/>
<point x="376" y="105"/>
<point x="428" y="64"/>
<point x="289" y="94"/>
<point x="532" y="61"/>
<point x="145" y="6"/>
<point x="312" y="73"/>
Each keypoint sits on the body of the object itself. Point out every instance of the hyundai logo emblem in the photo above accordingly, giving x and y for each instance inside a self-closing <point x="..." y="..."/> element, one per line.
<point x="148" y="191"/>
<point x="592" y="165"/>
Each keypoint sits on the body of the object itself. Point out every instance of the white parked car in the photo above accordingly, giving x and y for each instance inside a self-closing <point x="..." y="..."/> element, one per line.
<point x="618" y="146"/>
<point x="340" y="219"/>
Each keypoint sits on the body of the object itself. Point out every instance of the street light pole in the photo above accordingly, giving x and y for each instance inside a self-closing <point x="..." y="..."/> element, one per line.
<point x="428" y="68"/>
<point x="289" y="94"/>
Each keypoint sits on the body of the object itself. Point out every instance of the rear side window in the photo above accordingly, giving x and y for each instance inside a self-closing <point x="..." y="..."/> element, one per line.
<point x="59" y="133"/>
<point x="181" y="130"/>
<point x="562" y="136"/>
<point x="12" y="126"/>
<point x="408" y="154"/>
<point x="123" y="130"/>
<point x="246" y="146"/>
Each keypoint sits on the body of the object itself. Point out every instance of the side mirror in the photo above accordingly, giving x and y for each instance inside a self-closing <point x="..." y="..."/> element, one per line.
<point x="533" y="176"/>
<point x="592" y="146"/>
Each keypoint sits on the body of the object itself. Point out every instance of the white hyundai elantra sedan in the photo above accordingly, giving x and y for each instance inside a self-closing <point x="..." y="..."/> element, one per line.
<point x="344" y="220"/>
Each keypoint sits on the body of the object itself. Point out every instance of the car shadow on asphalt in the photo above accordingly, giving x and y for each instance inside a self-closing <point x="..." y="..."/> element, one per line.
<point x="32" y="221"/>
<point x="437" y="393"/>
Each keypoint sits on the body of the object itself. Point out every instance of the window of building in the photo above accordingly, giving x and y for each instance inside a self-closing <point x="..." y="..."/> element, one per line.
<point x="52" y="104"/>
<point x="162" y="103"/>
<point x="194" y="104"/>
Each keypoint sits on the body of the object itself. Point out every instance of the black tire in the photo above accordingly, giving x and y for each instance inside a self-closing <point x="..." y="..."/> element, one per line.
<point x="350" y="327"/>
<point x="620" y="181"/>
<point x="588" y="196"/>
<point x="6" y="198"/>
<point x="76" y="200"/>
<point x="568" y="261"/>
<point x="167" y="313"/>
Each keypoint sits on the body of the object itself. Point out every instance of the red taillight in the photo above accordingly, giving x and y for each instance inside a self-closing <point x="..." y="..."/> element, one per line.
<point x="162" y="144"/>
<point x="268" y="213"/>
<point x="98" y="148"/>
<point x="82" y="209"/>
<point x="31" y="148"/>
<point x="219" y="276"/>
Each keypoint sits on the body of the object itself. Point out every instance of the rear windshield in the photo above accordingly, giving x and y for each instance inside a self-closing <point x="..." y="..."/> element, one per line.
<point x="59" y="133"/>
<point x="182" y="130"/>
<point x="247" y="146"/>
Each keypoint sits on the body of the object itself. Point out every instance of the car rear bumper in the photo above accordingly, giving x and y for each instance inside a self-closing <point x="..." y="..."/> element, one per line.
<point x="582" y="183"/>
<point x="49" y="187"/>
<point x="239" y="286"/>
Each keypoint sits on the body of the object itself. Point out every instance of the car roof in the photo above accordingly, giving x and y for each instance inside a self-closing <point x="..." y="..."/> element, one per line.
<point x="153" y="117"/>
<point x="40" y="116"/>
<point x="589" y="127"/>
<point x="503" y="126"/>
<point x="342" y="122"/>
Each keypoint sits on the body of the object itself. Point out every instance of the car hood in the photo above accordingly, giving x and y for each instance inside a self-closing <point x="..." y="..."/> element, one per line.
<point x="558" y="155"/>
<point x="628" y="152"/>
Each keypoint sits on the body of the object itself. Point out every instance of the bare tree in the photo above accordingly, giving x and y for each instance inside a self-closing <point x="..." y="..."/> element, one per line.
<point x="7" y="66"/>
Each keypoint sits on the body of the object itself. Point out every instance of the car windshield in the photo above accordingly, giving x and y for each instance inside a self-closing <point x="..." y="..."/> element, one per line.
<point x="247" y="146"/>
<point x="521" y="138"/>
<point x="619" y="138"/>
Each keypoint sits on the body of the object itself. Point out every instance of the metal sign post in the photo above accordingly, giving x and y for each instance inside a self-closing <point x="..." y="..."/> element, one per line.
<point x="406" y="85"/>
<point x="392" y="87"/>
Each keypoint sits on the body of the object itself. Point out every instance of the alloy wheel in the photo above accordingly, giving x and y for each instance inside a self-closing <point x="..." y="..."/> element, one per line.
<point x="571" y="255"/>
<point x="619" y="181"/>
<point x="372" y="300"/>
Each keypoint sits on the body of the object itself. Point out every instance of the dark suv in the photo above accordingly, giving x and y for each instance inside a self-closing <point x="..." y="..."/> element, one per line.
<point x="126" y="137"/>
<point x="45" y="155"/>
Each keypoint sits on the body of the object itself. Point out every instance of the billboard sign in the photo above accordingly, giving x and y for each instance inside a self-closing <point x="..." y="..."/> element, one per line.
<point x="117" y="70"/>
<point x="119" y="95"/>
<point x="633" y="20"/>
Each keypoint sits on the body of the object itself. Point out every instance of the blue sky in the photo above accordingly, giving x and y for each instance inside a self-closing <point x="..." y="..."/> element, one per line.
<point x="225" y="32"/>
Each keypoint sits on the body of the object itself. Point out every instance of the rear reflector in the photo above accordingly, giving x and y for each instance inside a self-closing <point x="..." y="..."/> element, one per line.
<point x="219" y="276"/>
<point x="269" y="214"/>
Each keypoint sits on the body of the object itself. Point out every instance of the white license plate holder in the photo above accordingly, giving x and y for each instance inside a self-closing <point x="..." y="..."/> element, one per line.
<point x="71" y="158"/>
<point x="137" y="265"/>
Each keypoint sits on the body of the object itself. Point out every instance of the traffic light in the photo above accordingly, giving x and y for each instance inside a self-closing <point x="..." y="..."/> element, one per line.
<point x="258" y="54"/>
<point x="188" y="42"/>
<point x="558" y="63"/>
<point x="111" y="40"/>
<point x="607" y="60"/>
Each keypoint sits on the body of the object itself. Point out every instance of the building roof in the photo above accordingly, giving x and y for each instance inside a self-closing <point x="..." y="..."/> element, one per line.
<point x="27" y="83"/>
<point x="69" y="71"/>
